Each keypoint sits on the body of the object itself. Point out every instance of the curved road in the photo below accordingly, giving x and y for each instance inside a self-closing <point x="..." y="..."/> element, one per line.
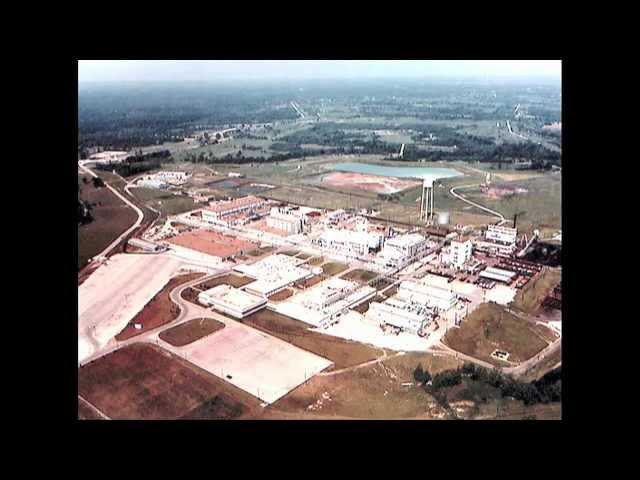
<point x="477" y="205"/>
<point x="126" y="201"/>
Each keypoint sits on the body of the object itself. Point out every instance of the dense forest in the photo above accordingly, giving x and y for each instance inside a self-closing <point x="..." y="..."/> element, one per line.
<point x="126" y="116"/>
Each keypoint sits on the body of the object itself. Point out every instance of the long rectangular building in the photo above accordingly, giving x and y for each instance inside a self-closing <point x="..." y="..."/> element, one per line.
<point x="429" y="295"/>
<point x="217" y="211"/>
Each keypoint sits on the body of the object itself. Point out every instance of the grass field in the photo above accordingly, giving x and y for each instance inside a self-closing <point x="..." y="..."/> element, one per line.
<point x="542" y="204"/>
<point x="111" y="218"/>
<point x="165" y="202"/>
<point x="490" y="327"/>
<point x="333" y="268"/>
<point x="236" y="281"/>
<point x="256" y="252"/>
<point x="190" y="331"/>
<point x="158" y="311"/>
<point x="372" y="392"/>
<point x="281" y="295"/>
<point x="142" y="381"/>
<point x="359" y="275"/>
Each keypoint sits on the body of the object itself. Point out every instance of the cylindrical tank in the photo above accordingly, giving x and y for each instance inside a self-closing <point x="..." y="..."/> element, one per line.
<point x="443" y="218"/>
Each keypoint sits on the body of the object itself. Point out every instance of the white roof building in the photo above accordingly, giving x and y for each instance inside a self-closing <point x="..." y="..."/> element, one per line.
<point x="429" y="295"/>
<point x="232" y="301"/>
<point x="499" y="274"/>
<point x="273" y="273"/>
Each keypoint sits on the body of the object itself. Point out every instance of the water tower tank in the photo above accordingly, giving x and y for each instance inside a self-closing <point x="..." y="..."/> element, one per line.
<point x="443" y="218"/>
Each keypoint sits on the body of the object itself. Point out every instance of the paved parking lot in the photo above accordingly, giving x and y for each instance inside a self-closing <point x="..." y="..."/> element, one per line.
<point x="260" y="364"/>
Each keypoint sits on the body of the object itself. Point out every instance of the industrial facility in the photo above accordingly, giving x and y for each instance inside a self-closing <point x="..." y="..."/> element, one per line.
<point x="324" y="303"/>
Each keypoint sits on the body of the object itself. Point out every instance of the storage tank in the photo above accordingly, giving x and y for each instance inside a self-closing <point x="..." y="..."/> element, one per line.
<point x="443" y="218"/>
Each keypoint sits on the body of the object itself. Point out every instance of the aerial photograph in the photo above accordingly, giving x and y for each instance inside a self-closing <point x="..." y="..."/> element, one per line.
<point x="319" y="239"/>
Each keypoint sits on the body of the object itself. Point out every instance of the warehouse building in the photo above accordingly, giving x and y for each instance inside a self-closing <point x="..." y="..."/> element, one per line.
<point x="232" y="301"/>
<point x="498" y="274"/>
<point x="349" y="242"/>
<point x="146" y="245"/>
<point x="150" y="181"/>
<point x="432" y="296"/>
<point x="287" y="219"/>
<point x="401" y="313"/>
<point x="109" y="157"/>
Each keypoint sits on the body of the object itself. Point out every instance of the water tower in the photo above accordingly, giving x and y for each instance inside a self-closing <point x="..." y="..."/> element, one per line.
<point x="426" y="202"/>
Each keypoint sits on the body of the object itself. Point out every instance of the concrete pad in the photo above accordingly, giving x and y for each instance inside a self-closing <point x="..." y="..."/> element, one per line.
<point x="260" y="364"/>
<point x="115" y="293"/>
<point x="354" y="326"/>
<point x="501" y="294"/>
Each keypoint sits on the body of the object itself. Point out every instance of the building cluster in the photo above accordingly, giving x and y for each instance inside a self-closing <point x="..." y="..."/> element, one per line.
<point x="163" y="179"/>
<point x="413" y="308"/>
<point x="324" y="303"/>
<point x="275" y="273"/>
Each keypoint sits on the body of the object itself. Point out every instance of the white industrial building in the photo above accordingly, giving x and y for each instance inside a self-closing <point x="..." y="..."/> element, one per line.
<point x="288" y="219"/>
<point x="506" y="235"/>
<point x="498" y="240"/>
<point x="232" y="301"/>
<point x="401" y="313"/>
<point x="173" y="177"/>
<point x="349" y="242"/>
<point x="150" y="181"/>
<point x="498" y="274"/>
<point x="109" y="157"/>
<point x="322" y="304"/>
<point x="401" y="250"/>
<point x="439" y="297"/>
<point x="460" y="252"/>
<point x="274" y="273"/>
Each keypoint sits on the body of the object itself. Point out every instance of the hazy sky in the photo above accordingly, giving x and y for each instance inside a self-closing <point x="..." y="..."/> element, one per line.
<point x="190" y="70"/>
